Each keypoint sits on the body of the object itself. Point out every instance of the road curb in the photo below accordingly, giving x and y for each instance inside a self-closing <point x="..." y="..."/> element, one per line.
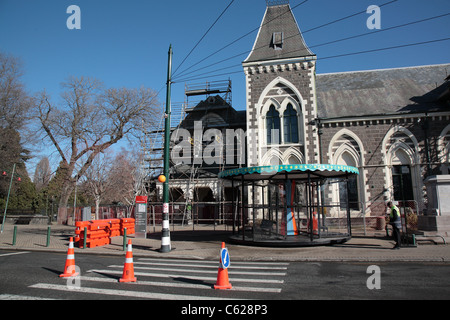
<point x="235" y="257"/>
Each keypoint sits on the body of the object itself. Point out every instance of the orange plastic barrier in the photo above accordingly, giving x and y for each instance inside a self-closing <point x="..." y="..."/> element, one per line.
<point x="79" y="230"/>
<point x="99" y="232"/>
<point x="127" y="223"/>
<point x="114" y="227"/>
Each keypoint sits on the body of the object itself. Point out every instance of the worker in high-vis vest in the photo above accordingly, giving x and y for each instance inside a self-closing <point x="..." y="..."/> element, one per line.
<point x="396" y="222"/>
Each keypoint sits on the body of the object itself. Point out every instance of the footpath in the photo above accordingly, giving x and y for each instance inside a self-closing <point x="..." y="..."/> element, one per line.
<point x="204" y="244"/>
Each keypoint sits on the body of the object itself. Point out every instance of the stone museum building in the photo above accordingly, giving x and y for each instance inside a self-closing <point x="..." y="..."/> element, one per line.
<point x="392" y="124"/>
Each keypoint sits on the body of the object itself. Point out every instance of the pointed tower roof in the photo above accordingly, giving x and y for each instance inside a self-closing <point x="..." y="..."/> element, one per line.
<point x="279" y="37"/>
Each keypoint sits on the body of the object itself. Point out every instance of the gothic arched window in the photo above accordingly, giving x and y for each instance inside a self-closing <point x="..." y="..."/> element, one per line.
<point x="290" y="122"/>
<point x="273" y="126"/>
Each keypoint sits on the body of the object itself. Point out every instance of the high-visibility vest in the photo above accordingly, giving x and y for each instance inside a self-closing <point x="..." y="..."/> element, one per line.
<point x="395" y="216"/>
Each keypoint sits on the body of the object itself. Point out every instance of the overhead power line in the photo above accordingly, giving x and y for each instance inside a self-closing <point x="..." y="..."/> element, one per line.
<point x="209" y="76"/>
<point x="312" y="29"/>
<point x="211" y="73"/>
<point x="381" y="30"/>
<point x="345" y="18"/>
<point x="204" y="35"/>
<point x="314" y="46"/>
<point x="240" y="38"/>
<point x="383" y="49"/>
<point x="208" y="73"/>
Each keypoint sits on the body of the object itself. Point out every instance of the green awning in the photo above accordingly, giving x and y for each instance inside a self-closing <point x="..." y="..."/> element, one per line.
<point x="290" y="171"/>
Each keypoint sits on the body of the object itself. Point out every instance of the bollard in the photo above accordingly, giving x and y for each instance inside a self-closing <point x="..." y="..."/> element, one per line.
<point x="14" y="236"/>
<point x="84" y="237"/>
<point x="48" y="236"/>
<point x="124" y="239"/>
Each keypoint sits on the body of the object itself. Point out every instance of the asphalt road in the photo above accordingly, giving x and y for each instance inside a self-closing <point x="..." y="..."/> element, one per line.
<point x="35" y="275"/>
<point x="363" y="280"/>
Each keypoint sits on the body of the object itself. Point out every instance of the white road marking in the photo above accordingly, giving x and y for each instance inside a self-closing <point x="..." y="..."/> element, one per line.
<point x="13" y="253"/>
<point x="235" y="265"/>
<point x="178" y="261"/>
<point x="20" y="297"/>
<point x="167" y="275"/>
<point x="230" y="271"/>
<point x="125" y="293"/>
<point x="182" y="285"/>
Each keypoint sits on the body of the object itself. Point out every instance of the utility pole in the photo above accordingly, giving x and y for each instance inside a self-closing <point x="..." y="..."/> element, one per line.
<point x="165" y="240"/>
<point x="7" y="198"/>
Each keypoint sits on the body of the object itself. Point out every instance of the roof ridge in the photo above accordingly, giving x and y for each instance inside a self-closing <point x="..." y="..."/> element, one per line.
<point x="290" y="45"/>
<point x="385" y="69"/>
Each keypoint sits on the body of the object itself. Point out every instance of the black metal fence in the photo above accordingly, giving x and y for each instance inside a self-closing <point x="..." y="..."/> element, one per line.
<point x="219" y="215"/>
<point x="226" y="215"/>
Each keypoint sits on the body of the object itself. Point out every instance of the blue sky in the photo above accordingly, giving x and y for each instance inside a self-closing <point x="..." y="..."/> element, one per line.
<point x="125" y="43"/>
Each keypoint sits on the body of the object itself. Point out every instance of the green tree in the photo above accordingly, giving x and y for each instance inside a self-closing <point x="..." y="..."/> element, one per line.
<point x="14" y="107"/>
<point x="23" y="192"/>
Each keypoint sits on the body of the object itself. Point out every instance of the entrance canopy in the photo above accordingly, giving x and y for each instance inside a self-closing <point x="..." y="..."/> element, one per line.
<point x="286" y="205"/>
<point x="290" y="171"/>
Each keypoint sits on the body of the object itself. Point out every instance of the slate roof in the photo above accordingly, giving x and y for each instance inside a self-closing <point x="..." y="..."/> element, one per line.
<point x="380" y="92"/>
<point x="229" y="117"/>
<point x="278" y="18"/>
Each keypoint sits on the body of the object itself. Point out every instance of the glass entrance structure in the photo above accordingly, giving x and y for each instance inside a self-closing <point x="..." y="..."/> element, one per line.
<point x="288" y="205"/>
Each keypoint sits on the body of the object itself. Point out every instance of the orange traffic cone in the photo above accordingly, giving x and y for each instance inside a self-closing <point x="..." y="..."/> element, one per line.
<point x="128" y="268"/>
<point x="69" y="268"/>
<point x="222" y="276"/>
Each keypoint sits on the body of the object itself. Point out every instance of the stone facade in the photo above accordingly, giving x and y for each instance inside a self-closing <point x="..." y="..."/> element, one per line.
<point x="278" y="85"/>
<point x="392" y="124"/>
<point x="374" y="144"/>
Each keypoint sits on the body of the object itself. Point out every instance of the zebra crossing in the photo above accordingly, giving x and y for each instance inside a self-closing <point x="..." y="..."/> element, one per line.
<point x="180" y="279"/>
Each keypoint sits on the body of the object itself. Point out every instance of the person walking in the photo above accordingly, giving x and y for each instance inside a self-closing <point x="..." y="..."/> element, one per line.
<point x="396" y="223"/>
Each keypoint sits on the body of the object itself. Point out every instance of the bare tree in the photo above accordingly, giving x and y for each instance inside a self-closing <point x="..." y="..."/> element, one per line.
<point x="14" y="101"/>
<point x="97" y="182"/>
<point x="42" y="174"/>
<point x="126" y="178"/>
<point x="89" y="120"/>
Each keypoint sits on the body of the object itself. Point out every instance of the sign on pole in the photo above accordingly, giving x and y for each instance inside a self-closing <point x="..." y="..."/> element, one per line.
<point x="140" y="213"/>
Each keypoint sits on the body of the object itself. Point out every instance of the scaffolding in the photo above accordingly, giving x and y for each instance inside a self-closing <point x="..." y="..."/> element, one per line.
<point x="207" y="89"/>
<point x="194" y="176"/>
